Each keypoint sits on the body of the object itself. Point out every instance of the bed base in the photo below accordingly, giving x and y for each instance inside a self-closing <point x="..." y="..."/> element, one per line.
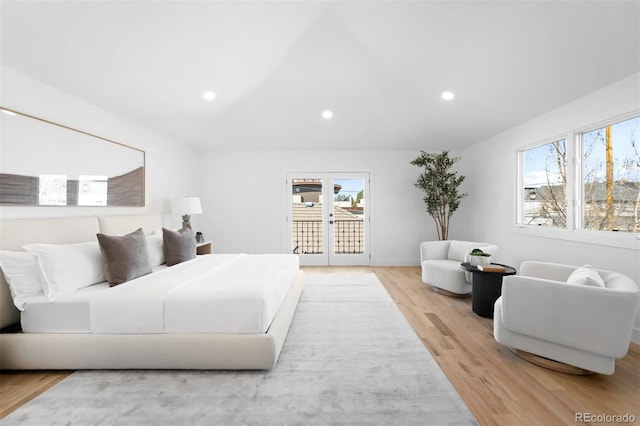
<point x="32" y="351"/>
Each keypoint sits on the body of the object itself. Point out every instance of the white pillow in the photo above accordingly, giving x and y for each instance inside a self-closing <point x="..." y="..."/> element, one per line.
<point x="586" y="275"/>
<point x="68" y="267"/>
<point x="156" y="252"/>
<point x="22" y="273"/>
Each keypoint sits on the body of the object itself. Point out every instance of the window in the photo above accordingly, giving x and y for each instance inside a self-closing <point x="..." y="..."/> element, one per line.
<point x="600" y="189"/>
<point x="544" y="200"/>
<point x="611" y="177"/>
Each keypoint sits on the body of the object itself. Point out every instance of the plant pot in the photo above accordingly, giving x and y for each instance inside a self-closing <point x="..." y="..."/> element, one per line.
<point x="479" y="260"/>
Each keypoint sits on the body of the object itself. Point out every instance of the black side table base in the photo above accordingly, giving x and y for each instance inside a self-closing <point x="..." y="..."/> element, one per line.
<point x="487" y="288"/>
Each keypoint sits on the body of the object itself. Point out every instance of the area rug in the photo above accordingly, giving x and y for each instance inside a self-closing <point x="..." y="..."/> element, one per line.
<point x="350" y="358"/>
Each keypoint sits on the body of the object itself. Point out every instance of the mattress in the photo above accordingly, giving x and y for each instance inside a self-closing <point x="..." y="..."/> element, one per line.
<point x="215" y="293"/>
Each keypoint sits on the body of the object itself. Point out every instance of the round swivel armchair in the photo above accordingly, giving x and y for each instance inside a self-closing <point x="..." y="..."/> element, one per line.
<point x="578" y="317"/>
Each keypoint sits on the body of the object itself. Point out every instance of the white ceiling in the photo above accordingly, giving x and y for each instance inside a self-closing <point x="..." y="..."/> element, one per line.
<point x="275" y="66"/>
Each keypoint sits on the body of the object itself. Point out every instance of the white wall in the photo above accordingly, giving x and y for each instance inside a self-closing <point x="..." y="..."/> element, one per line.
<point x="243" y="195"/>
<point x="169" y="166"/>
<point x="488" y="214"/>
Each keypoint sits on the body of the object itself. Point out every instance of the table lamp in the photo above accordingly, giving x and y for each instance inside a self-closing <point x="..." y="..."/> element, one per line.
<point x="186" y="206"/>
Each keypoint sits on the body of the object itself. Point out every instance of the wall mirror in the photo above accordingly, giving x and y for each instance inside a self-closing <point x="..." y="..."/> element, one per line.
<point x="47" y="164"/>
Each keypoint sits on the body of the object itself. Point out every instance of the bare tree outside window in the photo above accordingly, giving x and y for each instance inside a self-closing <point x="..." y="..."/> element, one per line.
<point x="611" y="177"/>
<point x="545" y="185"/>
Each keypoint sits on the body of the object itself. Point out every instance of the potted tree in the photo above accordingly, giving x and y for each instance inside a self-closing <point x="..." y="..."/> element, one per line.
<point x="441" y="187"/>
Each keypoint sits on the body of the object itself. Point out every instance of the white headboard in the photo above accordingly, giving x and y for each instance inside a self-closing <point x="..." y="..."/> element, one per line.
<point x="18" y="232"/>
<point x="15" y="233"/>
<point x="121" y="225"/>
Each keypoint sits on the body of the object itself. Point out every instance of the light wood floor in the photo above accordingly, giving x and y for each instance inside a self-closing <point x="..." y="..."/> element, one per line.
<point x="498" y="387"/>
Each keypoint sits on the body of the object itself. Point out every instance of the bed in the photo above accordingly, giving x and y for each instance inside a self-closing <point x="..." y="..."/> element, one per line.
<point x="135" y="325"/>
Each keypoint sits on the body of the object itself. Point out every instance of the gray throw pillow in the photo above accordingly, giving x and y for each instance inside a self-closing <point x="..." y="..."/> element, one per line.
<point x="124" y="257"/>
<point x="179" y="246"/>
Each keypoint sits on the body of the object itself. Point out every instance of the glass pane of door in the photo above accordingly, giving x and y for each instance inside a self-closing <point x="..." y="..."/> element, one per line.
<point x="348" y="216"/>
<point x="307" y="227"/>
<point x="348" y="220"/>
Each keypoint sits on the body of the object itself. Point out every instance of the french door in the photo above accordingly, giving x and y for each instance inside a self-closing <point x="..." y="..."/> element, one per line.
<point x="328" y="218"/>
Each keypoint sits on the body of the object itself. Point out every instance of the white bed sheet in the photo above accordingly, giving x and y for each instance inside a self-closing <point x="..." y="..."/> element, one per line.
<point x="241" y="297"/>
<point x="210" y="294"/>
<point x="68" y="314"/>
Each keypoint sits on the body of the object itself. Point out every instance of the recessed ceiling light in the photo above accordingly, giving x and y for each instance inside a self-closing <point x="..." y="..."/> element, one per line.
<point x="447" y="96"/>
<point x="327" y="115"/>
<point x="209" y="96"/>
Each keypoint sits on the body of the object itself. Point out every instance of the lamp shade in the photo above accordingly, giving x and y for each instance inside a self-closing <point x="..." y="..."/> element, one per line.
<point x="186" y="205"/>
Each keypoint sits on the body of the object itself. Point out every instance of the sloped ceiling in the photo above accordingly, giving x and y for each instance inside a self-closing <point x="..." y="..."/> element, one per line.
<point x="275" y="66"/>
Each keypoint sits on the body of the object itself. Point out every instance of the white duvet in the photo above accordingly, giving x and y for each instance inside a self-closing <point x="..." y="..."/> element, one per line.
<point x="219" y="293"/>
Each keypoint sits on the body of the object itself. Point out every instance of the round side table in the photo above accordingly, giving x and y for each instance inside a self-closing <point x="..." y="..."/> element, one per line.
<point x="486" y="287"/>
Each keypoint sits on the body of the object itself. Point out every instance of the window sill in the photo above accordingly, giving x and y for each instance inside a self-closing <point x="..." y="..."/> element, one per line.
<point x="627" y="241"/>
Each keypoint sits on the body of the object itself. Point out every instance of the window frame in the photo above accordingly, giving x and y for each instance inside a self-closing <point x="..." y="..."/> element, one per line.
<point x="573" y="230"/>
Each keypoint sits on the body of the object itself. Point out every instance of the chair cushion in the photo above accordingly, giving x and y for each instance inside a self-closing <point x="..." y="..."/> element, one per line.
<point x="445" y="274"/>
<point x="459" y="249"/>
<point x="586" y="275"/>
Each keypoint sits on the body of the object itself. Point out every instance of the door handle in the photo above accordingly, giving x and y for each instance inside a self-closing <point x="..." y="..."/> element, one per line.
<point x="330" y="222"/>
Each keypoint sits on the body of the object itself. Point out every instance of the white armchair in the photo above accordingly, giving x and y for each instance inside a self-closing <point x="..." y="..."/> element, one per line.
<point x="581" y="325"/>
<point x="440" y="262"/>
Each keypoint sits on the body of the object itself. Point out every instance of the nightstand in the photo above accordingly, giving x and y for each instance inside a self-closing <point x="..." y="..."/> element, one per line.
<point x="204" y="248"/>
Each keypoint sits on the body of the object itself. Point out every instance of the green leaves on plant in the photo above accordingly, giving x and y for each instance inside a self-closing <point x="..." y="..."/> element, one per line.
<point x="441" y="187"/>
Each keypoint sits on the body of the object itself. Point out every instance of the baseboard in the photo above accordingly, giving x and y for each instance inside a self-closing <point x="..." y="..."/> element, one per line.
<point x="635" y="335"/>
